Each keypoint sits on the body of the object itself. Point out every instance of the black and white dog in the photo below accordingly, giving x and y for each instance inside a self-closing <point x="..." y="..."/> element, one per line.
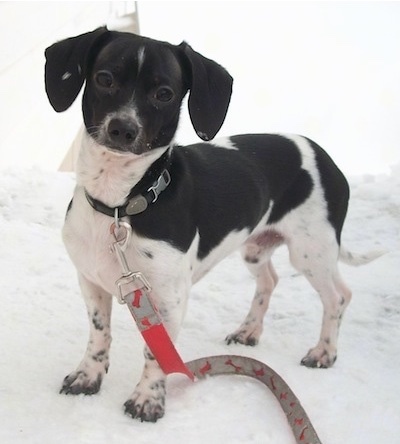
<point x="188" y="206"/>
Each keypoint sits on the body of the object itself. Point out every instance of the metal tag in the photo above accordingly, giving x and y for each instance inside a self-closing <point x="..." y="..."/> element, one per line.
<point x="136" y="205"/>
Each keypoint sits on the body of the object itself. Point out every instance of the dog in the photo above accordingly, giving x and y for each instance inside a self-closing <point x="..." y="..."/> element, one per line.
<point x="188" y="206"/>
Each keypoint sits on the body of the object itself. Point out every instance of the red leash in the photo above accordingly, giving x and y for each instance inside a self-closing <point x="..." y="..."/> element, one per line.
<point x="154" y="333"/>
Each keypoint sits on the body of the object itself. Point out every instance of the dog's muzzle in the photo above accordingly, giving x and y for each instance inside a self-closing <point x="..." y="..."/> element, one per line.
<point x="122" y="134"/>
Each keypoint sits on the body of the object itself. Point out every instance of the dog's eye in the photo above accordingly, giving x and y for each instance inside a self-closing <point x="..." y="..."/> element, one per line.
<point x="164" y="94"/>
<point x="105" y="79"/>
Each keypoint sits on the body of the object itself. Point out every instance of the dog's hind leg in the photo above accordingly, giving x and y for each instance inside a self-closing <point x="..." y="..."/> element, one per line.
<point x="257" y="253"/>
<point x="317" y="260"/>
<point x="87" y="378"/>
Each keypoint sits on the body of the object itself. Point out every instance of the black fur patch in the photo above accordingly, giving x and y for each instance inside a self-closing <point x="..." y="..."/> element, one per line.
<point x="215" y="191"/>
<point x="336" y="188"/>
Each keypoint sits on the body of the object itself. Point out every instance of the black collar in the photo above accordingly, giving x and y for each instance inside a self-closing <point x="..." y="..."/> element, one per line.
<point x="145" y="192"/>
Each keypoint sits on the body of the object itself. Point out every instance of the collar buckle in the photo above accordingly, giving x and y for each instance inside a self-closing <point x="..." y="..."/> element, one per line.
<point x="161" y="183"/>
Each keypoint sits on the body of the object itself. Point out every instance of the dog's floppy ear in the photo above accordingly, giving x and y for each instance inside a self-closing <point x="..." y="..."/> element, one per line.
<point x="210" y="93"/>
<point x="65" y="69"/>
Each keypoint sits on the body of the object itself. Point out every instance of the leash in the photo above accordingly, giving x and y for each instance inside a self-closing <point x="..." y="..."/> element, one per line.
<point x="299" y="422"/>
<point x="134" y="291"/>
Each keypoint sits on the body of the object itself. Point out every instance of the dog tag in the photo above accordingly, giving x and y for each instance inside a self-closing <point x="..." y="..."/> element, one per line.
<point x="136" y="205"/>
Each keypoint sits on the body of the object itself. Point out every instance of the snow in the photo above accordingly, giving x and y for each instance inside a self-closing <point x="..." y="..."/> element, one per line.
<point x="350" y="106"/>
<point x="43" y="328"/>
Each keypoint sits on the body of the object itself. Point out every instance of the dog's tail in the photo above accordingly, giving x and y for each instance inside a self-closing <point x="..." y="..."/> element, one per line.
<point x="355" y="259"/>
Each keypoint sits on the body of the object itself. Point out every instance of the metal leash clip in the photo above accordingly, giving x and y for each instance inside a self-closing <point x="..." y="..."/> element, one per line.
<point x="130" y="280"/>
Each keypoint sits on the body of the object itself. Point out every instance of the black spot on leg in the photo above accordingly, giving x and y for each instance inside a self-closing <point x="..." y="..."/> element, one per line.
<point x="148" y="355"/>
<point x="158" y="385"/>
<point x="251" y="259"/>
<point x="100" y="356"/>
<point x="97" y="322"/>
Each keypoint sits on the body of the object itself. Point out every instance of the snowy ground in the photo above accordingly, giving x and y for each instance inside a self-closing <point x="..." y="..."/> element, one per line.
<point x="43" y="332"/>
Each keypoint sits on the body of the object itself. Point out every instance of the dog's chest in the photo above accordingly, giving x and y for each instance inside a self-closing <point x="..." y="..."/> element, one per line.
<point x="88" y="239"/>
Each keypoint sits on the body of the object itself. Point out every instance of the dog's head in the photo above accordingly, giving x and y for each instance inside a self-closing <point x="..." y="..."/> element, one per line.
<point x="134" y="88"/>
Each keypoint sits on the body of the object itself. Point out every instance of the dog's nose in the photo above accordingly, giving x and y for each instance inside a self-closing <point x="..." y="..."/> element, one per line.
<point x="122" y="133"/>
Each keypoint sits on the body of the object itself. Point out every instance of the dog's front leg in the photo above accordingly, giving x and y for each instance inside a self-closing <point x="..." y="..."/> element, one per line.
<point x="87" y="378"/>
<point x="147" y="402"/>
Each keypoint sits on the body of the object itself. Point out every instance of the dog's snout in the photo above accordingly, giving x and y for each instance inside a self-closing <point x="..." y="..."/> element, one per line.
<point x="122" y="132"/>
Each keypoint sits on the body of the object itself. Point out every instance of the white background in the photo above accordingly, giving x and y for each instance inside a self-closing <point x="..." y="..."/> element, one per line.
<point x="328" y="70"/>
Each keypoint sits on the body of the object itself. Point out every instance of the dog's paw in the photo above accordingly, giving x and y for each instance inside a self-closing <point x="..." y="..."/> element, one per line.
<point x="242" y="337"/>
<point x="80" y="382"/>
<point x="319" y="357"/>
<point x="147" y="404"/>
